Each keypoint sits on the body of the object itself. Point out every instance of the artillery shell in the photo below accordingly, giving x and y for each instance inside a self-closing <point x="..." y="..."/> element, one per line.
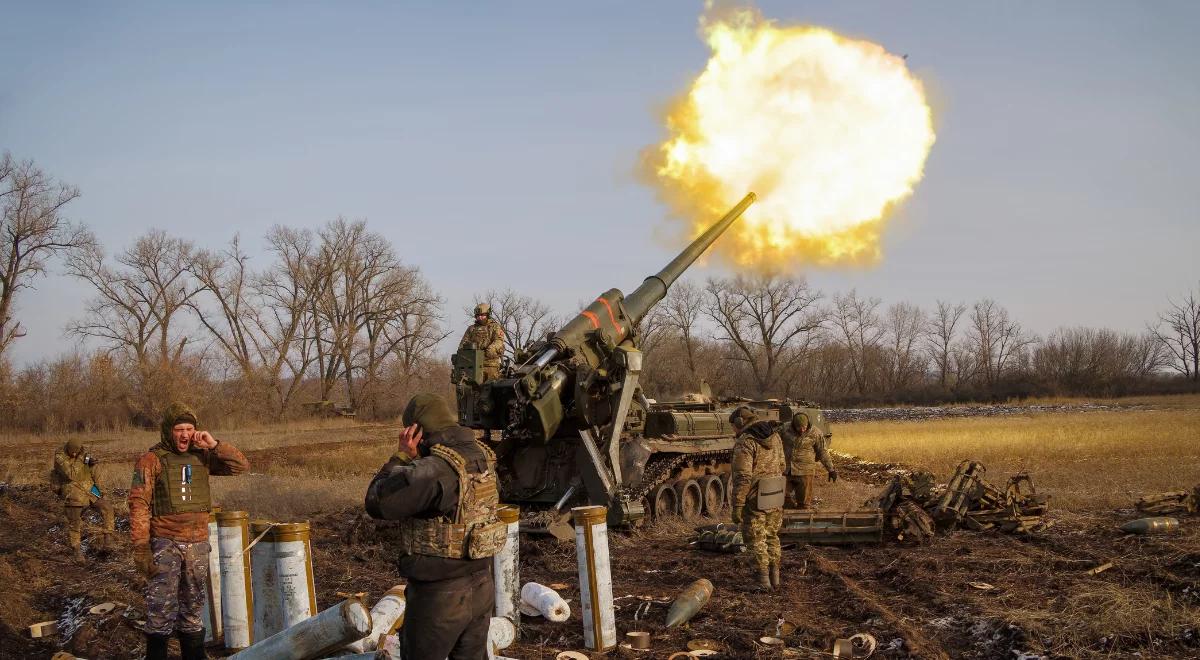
<point x="1156" y="525"/>
<point x="689" y="602"/>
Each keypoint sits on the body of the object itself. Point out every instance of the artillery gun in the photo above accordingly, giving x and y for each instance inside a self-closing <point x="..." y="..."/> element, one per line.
<point x="575" y="427"/>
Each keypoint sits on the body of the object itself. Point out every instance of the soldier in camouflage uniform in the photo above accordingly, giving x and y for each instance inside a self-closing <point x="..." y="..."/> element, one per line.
<point x="441" y="486"/>
<point x="169" y="504"/>
<point x="77" y="487"/>
<point x="488" y="335"/>
<point x="757" y="454"/>
<point x="803" y="446"/>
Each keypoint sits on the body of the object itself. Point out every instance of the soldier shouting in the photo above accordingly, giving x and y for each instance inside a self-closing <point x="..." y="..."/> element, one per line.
<point x="441" y="485"/>
<point x="169" y="503"/>
<point x="758" y="485"/>
<point x="78" y="489"/>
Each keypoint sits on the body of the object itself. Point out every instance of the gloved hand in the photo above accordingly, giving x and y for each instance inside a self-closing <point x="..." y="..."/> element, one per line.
<point x="143" y="559"/>
<point x="832" y="475"/>
<point x="737" y="515"/>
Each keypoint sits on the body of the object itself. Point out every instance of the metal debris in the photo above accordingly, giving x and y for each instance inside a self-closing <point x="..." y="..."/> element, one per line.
<point x="1179" y="501"/>
<point x="833" y="528"/>
<point x="916" y="507"/>
<point x="43" y="629"/>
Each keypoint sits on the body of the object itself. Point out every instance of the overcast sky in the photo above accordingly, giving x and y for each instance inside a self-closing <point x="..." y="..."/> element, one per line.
<point x="495" y="146"/>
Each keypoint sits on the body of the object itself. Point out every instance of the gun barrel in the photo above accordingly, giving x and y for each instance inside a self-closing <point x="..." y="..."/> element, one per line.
<point x="655" y="287"/>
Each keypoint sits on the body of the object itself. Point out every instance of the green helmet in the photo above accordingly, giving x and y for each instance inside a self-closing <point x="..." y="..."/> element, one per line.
<point x="483" y="308"/>
<point x="74" y="446"/>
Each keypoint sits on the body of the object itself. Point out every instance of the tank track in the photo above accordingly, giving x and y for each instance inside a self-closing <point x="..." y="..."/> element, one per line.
<point x="659" y="471"/>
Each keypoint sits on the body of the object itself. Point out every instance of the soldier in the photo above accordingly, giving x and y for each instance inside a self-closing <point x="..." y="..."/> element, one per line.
<point x="169" y="504"/>
<point x="803" y="446"/>
<point x="441" y="485"/>
<point x="757" y="481"/>
<point x="486" y="334"/>
<point x="77" y="487"/>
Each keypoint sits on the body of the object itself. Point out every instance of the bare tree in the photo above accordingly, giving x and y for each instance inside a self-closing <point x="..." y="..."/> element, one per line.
<point x="680" y="313"/>
<point x="32" y="229"/>
<point x="905" y="324"/>
<point x="137" y="306"/>
<point x="365" y="305"/>
<point x="856" y="326"/>
<point x="226" y="278"/>
<point x="1088" y="360"/>
<point x="940" y="333"/>
<point x="995" y="339"/>
<point x="524" y="318"/>
<point x="1181" y="336"/>
<point x="768" y="320"/>
<point x="285" y="293"/>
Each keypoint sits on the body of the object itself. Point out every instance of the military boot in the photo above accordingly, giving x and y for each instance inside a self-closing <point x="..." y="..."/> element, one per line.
<point x="191" y="645"/>
<point x="764" y="579"/>
<point x="156" y="646"/>
<point x="75" y="540"/>
<point x="774" y="576"/>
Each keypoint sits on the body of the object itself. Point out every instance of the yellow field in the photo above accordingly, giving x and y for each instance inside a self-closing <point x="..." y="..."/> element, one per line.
<point x="1086" y="460"/>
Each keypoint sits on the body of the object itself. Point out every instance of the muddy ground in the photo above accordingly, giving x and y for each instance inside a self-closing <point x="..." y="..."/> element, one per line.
<point x="1032" y="595"/>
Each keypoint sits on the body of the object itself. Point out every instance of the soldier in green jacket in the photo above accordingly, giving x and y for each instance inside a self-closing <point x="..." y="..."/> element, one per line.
<point x="758" y="483"/>
<point x="77" y="487"/>
<point x="804" y="446"/>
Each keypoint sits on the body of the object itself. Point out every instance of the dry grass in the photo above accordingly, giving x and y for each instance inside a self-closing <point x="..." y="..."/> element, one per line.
<point x="297" y="469"/>
<point x="1086" y="460"/>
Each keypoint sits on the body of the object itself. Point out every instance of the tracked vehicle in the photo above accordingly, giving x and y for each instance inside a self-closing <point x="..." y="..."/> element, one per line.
<point x="572" y="426"/>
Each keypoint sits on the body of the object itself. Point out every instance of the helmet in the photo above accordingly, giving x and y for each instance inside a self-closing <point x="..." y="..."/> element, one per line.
<point x="74" y="446"/>
<point x="483" y="308"/>
<point x="742" y="417"/>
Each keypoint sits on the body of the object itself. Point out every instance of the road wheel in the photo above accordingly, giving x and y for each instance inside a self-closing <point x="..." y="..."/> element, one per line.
<point x="714" y="495"/>
<point x="691" y="499"/>
<point x="664" y="502"/>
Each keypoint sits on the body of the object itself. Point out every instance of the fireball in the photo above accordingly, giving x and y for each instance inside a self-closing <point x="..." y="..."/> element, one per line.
<point x="831" y="132"/>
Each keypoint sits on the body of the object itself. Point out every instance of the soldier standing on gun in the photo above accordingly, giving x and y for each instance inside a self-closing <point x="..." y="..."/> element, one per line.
<point x="803" y="446"/>
<point x="441" y="485"/>
<point x="758" y="484"/>
<point x="169" y="504"/>
<point x="488" y="335"/>
<point x="78" y="489"/>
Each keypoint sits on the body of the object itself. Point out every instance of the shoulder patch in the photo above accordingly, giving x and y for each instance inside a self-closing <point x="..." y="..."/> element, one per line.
<point x="137" y="478"/>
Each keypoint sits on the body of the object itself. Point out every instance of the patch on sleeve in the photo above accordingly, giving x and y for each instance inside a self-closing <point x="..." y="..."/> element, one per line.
<point x="137" y="478"/>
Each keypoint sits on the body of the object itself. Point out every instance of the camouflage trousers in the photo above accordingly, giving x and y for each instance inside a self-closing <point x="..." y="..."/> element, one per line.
<point x="491" y="372"/>
<point x="177" y="586"/>
<point x="760" y="531"/>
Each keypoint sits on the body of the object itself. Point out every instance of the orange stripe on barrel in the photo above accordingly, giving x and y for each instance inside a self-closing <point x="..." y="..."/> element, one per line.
<point x="591" y="317"/>
<point x="611" y="316"/>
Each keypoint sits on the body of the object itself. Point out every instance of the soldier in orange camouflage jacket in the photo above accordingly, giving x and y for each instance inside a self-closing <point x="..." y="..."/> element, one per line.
<point x="169" y="503"/>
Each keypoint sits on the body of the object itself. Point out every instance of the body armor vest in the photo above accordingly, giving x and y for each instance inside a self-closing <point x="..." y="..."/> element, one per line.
<point x="475" y="531"/>
<point x="182" y="484"/>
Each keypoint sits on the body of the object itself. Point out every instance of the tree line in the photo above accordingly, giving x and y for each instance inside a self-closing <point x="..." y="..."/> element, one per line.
<point x="333" y="315"/>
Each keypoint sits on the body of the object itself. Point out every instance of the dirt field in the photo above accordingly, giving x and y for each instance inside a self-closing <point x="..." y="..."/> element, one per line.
<point x="915" y="601"/>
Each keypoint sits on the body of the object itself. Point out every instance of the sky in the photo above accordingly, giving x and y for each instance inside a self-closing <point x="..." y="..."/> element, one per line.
<point x="495" y="145"/>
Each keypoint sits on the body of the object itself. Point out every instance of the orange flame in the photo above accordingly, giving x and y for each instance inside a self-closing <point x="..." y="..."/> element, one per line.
<point x="831" y="133"/>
